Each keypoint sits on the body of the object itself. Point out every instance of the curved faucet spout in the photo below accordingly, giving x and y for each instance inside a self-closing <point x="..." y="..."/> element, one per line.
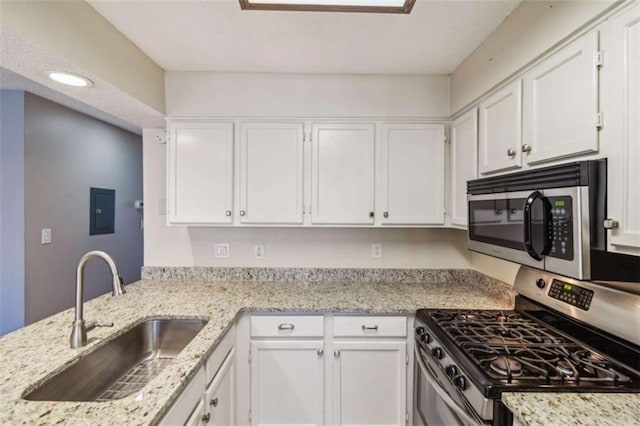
<point x="79" y="331"/>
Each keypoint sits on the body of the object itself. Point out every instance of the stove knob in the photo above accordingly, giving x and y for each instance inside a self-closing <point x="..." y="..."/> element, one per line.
<point x="420" y="331"/>
<point x="451" y="370"/>
<point x="460" y="382"/>
<point x="425" y="338"/>
<point x="540" y="283"/>
<point x="437" y="353"/>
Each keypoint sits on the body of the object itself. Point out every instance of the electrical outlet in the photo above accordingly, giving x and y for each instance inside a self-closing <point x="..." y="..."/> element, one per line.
<point x="46" y="235"/>
<point x="258" y="251"/>
<point x="376" y="251"/>
<point x="222" y="251"/>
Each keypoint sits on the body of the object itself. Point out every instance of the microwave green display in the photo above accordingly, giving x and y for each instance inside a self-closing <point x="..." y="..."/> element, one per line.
<point x="568" y="287"/>
<point x="559" y="203"/>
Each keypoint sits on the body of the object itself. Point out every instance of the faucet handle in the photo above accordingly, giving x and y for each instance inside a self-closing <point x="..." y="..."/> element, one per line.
<point x="90" y="325"/>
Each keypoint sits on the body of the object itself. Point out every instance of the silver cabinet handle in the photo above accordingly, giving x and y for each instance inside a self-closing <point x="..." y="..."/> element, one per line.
<point x="214" y="402"/>
<point x="610" y="224"/>
<point x="227" y="213"/>
<point x="511" y="152"/>
<point x="526" y="148"/>
<point x="320" y="352"/>
<point x="385" y="214"/>
<point x="242" y="213"/>
<point x="373" y="327"/>
<point x="286" y="326"/>
<point x="336" y="354"/>
<point x="206" y="418"/>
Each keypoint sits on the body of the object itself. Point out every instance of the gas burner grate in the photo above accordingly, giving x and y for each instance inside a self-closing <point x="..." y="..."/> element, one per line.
<point x="510" y="347"/>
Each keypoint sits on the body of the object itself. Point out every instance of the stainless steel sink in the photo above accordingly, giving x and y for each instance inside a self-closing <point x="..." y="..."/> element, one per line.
<point x="122" y="366"/>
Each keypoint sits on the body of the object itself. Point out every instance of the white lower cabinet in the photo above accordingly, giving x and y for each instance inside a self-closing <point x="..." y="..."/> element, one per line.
<point x="287" y="382"/>
<point x="210" y="397"/>
<point x="369" y="382"/>
<point x="355" y="373"/>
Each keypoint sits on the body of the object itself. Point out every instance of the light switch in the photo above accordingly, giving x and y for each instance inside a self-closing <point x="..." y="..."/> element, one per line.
<point x="376" y="251"/>
<point x="258" y="251"/>
<point x="221" y="250"/>
<point x="46" y="235"/>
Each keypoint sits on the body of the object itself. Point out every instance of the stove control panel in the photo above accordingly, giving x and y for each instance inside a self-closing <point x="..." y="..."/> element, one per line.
<point x="571" y="294"/>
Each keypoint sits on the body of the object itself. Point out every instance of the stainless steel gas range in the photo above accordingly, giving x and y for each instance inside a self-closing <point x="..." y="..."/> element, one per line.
<point x="564" y="335"/>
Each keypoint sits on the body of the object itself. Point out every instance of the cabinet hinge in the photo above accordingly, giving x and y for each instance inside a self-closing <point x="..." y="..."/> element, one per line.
<point x="304" y="137"/>
<point x="249" y="357"/>
<point x="406" y="356"/>
<point x="446" y="139"/>
<point x="599" y="59"/>
<point x="310" y="136"/>
<point x="249" y="416"/>
<point x="599" y="120"/>
<point x="444" y="212"/>
<point x="406" y="417"/>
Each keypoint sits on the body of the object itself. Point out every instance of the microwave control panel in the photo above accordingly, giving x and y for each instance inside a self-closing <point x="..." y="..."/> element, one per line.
<point x="561" y="228"/>
<point x="571" y="294"/>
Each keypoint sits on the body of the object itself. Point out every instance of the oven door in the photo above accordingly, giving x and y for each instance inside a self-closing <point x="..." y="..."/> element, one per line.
<point x="499" y="225"/>
<point x="434" y="405"/>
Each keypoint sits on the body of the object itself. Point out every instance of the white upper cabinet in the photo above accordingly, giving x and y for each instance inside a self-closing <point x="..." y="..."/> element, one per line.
<point x="412" y="182"/>
<point x="621" y="102"/>
<point x="561" y="103"/>
<point x="342" y="174"/>
<point x="501" y="130"/>
<point x="464" y="158"/>
<point x="271" y="173"/>
<point x="200" y="172"/>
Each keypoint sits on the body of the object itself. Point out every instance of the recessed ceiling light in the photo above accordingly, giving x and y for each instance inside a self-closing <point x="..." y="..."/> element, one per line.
<point x="69" y="79"/>
<point x="363" y="6"/>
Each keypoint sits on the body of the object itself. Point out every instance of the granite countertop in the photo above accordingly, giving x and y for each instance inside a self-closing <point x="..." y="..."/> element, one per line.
<point x="542" y="409"/>
<point x="36" y="352"/>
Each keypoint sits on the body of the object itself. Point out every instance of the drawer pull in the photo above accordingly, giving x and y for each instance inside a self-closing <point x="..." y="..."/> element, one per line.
<point x="206" y="418"/>
<point x="286" y="326"/>
<point x="373" y="327"/>
<point x="214" y="402"/>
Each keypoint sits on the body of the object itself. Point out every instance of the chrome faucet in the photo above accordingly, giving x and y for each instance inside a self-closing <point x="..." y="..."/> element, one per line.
<point x="80" y="328"/>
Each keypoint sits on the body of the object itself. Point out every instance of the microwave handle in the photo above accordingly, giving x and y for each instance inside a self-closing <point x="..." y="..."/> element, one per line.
<point x="528" y="227"/>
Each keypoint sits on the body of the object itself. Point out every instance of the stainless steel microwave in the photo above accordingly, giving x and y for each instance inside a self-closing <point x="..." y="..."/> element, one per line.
<point x="552" y="218"/>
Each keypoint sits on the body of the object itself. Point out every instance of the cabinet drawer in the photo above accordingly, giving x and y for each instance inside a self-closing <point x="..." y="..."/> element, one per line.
<point x="287" y="326"/>
<point x="369" y="326"/>
<point x="188" y="399"/>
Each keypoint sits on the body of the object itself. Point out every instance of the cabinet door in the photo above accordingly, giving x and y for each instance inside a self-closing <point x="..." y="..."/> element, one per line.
<point x="342" y="176"/>
<point x="220" y="395"/>
<point x="199" y="416"/>
<point x="501" y="130"/>
<point x="412" y="174"/>
<point x="369" y="383"/>
<point x="287" y="382"/>
<point x="622" y="107"/>
<point x="561" y="103"/>
<point x="271" y="172"/>
<point x="464" y="155"/>
<point x="200" y="172"/>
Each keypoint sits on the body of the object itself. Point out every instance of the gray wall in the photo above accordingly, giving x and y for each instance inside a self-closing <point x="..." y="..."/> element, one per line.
<point x="11" y="210"/>
<point x="66" y="153"/>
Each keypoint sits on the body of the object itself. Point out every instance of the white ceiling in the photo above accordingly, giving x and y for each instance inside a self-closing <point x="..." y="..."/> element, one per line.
<point x="216" y="35"/>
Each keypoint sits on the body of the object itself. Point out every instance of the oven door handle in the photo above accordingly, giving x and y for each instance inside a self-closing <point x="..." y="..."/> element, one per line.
<point x="467" y="418"/>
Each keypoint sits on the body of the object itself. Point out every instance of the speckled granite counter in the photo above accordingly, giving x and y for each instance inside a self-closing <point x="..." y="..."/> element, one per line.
<point x="38" y="351"/>
<point x="543" y="409"/>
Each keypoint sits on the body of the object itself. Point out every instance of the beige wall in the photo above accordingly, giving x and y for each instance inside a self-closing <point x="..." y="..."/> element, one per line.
<point x="209" y="94"/>
<point x="533" y="28"/>
<point x="74" y="30"/>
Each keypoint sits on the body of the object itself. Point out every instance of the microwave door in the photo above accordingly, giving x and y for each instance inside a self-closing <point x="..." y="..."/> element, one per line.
<point x="497" y="226"/>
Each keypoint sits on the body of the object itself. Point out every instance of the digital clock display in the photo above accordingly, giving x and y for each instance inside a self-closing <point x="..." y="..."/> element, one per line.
<point x="559" y="203"/>
<point x="568" y="287"/>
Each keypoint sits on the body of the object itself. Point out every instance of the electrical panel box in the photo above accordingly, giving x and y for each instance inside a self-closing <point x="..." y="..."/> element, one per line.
<point x="102" y="211"/>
